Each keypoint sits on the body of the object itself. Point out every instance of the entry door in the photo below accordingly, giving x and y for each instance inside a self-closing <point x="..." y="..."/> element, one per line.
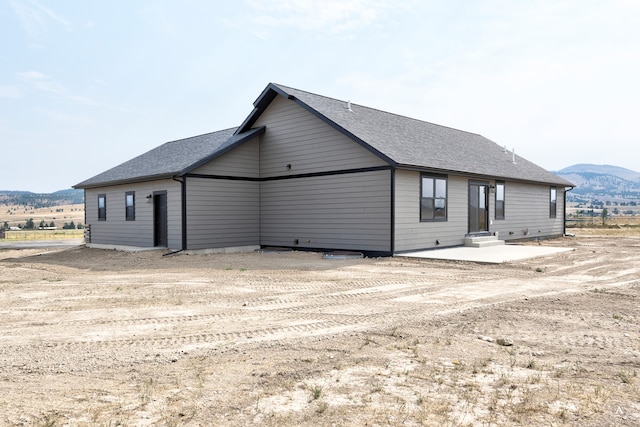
<point x="160" y="219"/>
<point x="478" y="207"/>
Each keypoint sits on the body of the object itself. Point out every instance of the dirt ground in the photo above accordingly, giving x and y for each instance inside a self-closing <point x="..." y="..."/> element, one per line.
<point x="92" y="337"/>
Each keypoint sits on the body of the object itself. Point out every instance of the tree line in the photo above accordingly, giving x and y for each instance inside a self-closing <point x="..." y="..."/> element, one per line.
<point x="41" y="200"/>
<point x="30" y="225"/>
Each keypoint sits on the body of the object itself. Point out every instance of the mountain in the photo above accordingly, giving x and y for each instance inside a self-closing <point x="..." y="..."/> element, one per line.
<point x="581" y="168"/>
<point x="602" y="182"/>
<point x="42" y="200"/>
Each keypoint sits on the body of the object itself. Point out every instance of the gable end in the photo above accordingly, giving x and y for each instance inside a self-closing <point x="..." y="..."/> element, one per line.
<point x="235" y="140"/>
<point x="270" y="93"/>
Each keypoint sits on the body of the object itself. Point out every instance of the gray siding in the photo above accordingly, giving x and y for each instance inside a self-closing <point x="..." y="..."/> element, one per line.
<point x="527" y="212"/>
<point x="296" y="137"/>
<point x="222" y="213"/>
<point x="242" y="161"/>
<point x="410" y="233"/>
<point x="117" y="231"/>
<point x="345" y="211"/>
<point x="350" y="211"/>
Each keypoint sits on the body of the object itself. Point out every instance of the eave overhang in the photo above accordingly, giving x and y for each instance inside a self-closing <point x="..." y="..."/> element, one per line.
<point x="414" y="168"/>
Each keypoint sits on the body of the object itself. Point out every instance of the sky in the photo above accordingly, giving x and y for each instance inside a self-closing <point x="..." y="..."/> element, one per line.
<point x="86" y="85"/>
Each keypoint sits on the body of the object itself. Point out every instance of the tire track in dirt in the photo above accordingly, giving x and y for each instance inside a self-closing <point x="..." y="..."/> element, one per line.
<point x="310" y="314"/>
<point x="592" y="340"/>
<point x="150" y="320"/>
<point x="177" y="342"/>
<point x="376" y="289"/>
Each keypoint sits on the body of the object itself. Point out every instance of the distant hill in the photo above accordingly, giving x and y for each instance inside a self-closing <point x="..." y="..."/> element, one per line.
<point x="602" y="182"/>
<point x="581" y="168"/>
<point x="42" y="200"/>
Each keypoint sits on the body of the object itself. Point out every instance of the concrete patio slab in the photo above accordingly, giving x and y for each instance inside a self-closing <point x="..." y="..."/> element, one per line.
<point x="487" y="255"/>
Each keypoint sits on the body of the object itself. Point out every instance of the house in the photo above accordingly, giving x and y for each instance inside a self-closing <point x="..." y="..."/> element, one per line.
<point x="310" y="172"/>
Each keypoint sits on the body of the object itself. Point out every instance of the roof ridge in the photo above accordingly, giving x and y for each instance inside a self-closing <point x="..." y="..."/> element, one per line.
<point x="378" y="110"/>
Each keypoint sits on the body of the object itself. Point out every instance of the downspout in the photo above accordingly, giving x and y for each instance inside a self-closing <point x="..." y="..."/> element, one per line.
<point x="392" y="245"/>
<point x="84" y="196"/>
<point x="564" y="211"/>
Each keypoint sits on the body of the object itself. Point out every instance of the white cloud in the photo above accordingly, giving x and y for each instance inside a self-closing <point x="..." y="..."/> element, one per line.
<point x="9" y="92"/>
<point x="73" y="120"/>
<point x="83" y="100"/>
<point x="36" y="19"/>
<point x="161" y="18"/>
<point x="42" y="82"/>
<point x="334" y="16"/>
<point x="33" y="75"/>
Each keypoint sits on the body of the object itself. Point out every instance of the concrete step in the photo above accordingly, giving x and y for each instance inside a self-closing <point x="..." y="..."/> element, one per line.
<point x="482" y="241"/>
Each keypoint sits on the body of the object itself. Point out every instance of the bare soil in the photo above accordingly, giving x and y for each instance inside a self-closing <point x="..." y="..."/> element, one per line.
<point x="104" y="338"/>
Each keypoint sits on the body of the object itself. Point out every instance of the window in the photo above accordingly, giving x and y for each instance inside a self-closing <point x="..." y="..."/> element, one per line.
<point x="499" y="200"/>
<point x="102" y="207"/>
<point x="130" y="207"/>
<point x="433" y="200"/>
<point x="553" y="202"/>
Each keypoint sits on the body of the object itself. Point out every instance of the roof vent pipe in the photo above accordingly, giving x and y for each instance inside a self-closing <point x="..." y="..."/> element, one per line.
<point x="349" y="106"/>
<point x="513" y="156"/>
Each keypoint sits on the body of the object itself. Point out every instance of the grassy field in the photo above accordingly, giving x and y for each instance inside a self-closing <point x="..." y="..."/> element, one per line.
<point x="43" y="234"/>
<point x="613" y="226"/>
<point x="18" y="215"/>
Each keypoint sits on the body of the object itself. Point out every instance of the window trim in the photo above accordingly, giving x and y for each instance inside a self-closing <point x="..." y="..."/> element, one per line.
<point x="130" y="211"/>
<point x="553" y="202"/>
<point x="503" y="211"/>
<point x="102" y="211"/>
<point x="435" y="178"/>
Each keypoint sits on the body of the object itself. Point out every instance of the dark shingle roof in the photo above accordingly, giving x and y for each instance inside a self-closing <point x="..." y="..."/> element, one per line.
<point x="411" y="143"/>
<point x="173" y="158"/>
<point x="402" y="141"/>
